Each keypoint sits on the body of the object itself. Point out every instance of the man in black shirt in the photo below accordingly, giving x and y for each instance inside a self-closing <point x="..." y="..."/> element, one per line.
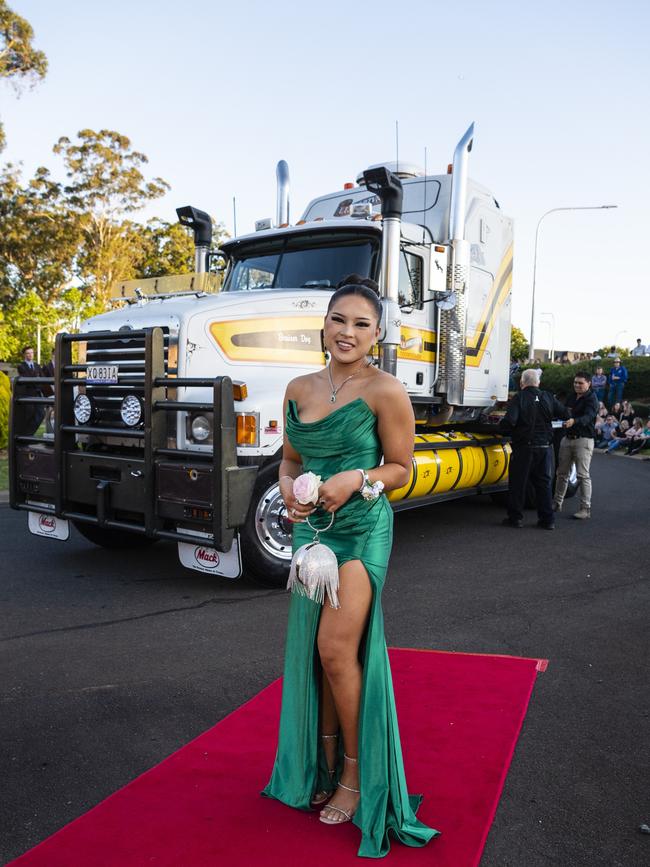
<point x="528" y="421"/>
<point x="577" y="447"/>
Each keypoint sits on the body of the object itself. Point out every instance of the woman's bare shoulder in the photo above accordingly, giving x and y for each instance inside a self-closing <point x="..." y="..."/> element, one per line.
<point x="300" y="386"/>
<point x="386" y="391"/>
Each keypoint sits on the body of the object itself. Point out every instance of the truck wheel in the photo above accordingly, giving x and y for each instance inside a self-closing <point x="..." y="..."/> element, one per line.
<point x="266" y="535"/>
<point x="105" y="537"/>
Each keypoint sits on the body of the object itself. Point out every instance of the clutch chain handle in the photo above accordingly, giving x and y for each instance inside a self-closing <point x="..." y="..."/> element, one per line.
<point x="322" y="530"/>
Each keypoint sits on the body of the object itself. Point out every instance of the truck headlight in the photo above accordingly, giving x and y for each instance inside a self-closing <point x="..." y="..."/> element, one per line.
<point x="131" y="410"/>
<point x="201" y="428"/>
<point x="82" y="408"/>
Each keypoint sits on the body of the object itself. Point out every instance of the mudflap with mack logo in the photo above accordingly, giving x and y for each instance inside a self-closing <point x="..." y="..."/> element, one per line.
<point x="43" y="524"/>
<point x="203" y="558"/>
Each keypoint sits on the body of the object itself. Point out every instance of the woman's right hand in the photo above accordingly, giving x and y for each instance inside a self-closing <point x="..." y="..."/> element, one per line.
<point x="295" y="511"/>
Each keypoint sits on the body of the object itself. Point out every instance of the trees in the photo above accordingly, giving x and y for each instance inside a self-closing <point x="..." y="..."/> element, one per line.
<point x="19" y="60"/>
<point x="518" y="344"/>
<point x="105" y="183"/>
<point x="39" y="236"/>
<point x="62" y="244"/>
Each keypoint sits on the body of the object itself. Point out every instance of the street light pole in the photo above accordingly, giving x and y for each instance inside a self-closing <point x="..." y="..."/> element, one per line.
<point x="552" y="335"/>
<point x="552" y="211"/>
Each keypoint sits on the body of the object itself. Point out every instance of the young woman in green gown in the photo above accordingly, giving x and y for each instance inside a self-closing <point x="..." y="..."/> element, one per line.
<point x="339" y="744"/>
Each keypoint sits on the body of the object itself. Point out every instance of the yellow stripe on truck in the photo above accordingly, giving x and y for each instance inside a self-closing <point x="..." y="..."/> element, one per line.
<point x="285" y="339"/>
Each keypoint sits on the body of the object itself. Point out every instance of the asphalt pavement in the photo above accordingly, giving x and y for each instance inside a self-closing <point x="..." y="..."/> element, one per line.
<point x="109" y="662"/>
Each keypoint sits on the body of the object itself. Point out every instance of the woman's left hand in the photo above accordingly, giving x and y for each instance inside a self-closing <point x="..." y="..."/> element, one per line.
<point x="337" y="490"/>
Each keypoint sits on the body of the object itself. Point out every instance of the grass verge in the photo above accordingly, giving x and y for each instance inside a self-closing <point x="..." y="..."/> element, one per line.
<point x="4" y="471"/>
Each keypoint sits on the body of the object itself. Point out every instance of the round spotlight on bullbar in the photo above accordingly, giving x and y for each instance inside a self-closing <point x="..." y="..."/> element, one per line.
<point x="83" y="409"/>
<point x="131" y="410"/>
<point x="201" y="428"/>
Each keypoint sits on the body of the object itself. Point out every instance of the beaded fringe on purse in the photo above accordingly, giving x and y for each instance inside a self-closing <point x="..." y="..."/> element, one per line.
<point x="315" y="571"/>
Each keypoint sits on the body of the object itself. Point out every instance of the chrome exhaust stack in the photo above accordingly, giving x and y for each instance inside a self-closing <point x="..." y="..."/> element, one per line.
<point x="201" y="224"/>
<point x="282" y="207"/>
<point x="389" y="189"/>
<point x="453" y="321"/>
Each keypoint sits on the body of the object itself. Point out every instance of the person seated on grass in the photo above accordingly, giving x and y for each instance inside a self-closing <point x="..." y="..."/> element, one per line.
<point x="616" y="410"/>
<point x="627" y="413"/>
<point x="641" y="438"/>
<point x="619" y="439"/>
<point x="606" y="430"/>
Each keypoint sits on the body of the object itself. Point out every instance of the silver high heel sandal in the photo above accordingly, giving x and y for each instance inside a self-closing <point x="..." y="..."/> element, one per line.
<point x="324" y="795"/>
<point x="348" y="816"/>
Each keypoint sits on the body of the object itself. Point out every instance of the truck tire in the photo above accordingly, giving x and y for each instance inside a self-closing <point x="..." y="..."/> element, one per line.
<point x="266" y="535"/>
<point x="108" y="538"/>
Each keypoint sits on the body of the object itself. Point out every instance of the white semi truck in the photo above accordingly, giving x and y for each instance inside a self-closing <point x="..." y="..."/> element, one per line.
<point x="168" y="410"/>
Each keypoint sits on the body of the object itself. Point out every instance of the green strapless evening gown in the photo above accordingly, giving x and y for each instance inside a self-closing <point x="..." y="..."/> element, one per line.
<point x="345" y="440"/>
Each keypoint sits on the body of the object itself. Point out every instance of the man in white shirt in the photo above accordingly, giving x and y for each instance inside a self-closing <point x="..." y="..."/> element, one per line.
<point x="639" y="349"/>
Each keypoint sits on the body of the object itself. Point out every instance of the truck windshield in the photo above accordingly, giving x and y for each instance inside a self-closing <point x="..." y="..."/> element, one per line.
<point x="302" y="262"/>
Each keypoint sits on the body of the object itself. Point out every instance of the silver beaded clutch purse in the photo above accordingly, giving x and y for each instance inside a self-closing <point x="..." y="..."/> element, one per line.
<point x="315" y="570"/>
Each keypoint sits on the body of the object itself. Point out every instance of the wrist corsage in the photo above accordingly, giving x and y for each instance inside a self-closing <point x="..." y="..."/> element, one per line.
<point x="368" y="489"/>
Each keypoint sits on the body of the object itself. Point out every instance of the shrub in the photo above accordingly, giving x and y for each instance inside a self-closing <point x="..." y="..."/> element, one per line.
<point x="5" y="400"/>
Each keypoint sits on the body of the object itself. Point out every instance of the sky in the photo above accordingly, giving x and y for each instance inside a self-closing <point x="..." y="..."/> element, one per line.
<point x="216" y="93"/>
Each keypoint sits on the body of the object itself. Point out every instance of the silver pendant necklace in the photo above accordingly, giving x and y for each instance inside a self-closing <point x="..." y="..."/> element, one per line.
<point x="336" y="389"/>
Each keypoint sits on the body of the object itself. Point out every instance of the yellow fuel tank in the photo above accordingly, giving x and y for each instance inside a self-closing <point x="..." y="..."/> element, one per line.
<point x="448" y="461"/>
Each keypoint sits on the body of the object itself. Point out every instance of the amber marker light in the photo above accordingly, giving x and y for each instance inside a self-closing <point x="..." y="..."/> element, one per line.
<point x="172" y="359"/>
<point x="246" y="430"/>
<point x="239" y="390"/>
<point x="348" y="185"/>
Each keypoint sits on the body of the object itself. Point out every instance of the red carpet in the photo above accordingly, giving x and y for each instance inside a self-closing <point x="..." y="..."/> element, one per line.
<point x="460" y="716"/>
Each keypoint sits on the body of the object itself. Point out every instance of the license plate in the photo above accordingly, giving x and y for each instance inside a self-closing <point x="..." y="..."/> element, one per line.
<point x="41" y="524"/>
<point x="202" y="558"/>
<point x="104" y="374"/>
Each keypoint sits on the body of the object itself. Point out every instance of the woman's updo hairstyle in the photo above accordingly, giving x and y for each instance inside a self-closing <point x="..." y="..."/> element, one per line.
<point x="355" y="284"/>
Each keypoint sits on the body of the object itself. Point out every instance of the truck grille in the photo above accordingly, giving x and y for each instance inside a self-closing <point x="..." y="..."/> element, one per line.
<point x="128" y="353"/>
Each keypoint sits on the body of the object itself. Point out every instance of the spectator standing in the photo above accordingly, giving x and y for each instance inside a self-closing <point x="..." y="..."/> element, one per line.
<point x="599" y="383"/>
<point x="612" y="352"/>
<point x="48" y="370"/>
<point x="577" y="445"/>
<point x="514" y="370"/>
<point x="528" y="421"/>
<point x="639" y="349"/>
<point x="29" y="416"/>
<point x="617" y="379"/>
